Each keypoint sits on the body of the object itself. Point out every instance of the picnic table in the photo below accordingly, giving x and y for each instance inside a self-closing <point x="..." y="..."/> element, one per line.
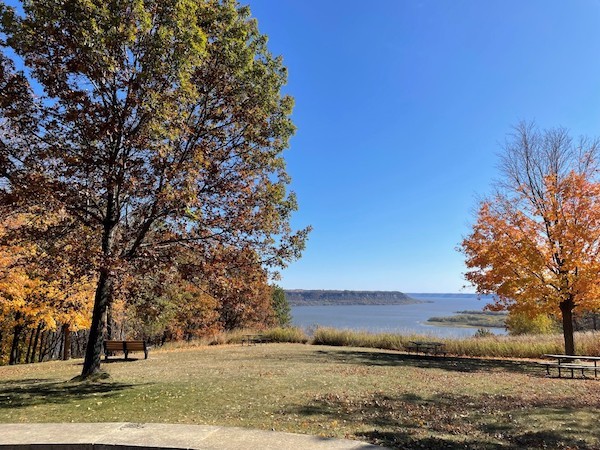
<point x="571" y="363"/>
<point x="427" y="347"/>
<point x="253" y="339"/>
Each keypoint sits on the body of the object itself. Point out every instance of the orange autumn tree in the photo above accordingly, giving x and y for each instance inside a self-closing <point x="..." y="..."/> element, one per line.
<point x="536" y="242"/>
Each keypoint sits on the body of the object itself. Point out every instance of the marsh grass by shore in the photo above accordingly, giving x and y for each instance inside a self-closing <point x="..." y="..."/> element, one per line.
<point x="475" y="319"/>
<point x="503" y="346"/>
<point x="380" y="396"/>
<point x="524" y="346"/>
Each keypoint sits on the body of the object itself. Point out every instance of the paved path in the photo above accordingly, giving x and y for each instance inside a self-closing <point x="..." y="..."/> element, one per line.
<point x="114" y="436"/>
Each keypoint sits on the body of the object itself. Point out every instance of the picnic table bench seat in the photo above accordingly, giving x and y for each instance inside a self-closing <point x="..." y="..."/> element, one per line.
<point x="253" y="339"/>
<point x="571" y="364"/>
<point x="435" y="348"/>
<point x="125" y="347"/>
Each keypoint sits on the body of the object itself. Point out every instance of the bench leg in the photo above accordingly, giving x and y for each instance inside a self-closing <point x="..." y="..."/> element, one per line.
<point x="145" y="354"/>
<point x="126" y="354"/>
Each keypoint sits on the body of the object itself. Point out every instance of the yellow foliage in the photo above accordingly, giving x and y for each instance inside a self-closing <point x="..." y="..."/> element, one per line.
<point x="520" y="323"/>
<point x="40" y="295"/>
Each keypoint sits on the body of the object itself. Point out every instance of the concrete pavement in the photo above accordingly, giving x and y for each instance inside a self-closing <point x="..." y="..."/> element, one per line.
<point x="129" y="436"/>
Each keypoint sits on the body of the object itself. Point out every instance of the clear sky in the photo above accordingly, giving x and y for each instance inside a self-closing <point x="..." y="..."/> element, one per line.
<point x="401" y="107"/>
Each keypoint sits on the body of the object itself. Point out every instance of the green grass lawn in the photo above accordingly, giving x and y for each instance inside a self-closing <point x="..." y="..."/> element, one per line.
<point x="379" y="396"/>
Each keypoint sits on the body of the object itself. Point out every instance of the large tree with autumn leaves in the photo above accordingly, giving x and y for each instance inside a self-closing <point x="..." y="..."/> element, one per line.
<point x="536" y="242"/>
<point x="153" y="125"/>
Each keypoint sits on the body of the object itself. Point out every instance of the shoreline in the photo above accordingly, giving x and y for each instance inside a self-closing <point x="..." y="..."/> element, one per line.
<point x="462" y="325"/>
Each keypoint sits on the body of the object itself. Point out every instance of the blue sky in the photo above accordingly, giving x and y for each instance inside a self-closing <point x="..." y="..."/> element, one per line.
<point x="401" y="107"/>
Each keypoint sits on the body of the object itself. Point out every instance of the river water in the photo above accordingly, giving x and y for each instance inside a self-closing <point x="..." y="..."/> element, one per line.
<point x="410" y="318"/>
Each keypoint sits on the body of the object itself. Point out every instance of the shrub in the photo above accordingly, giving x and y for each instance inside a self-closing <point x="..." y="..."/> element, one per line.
<point x="483" y="332"/>
<point x="281" y="306"/>
<point x="519" y="323"/>
<point x="286" y="334"/>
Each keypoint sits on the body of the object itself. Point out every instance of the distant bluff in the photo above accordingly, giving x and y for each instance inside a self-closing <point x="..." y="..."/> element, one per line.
<point x="300" y="297"/>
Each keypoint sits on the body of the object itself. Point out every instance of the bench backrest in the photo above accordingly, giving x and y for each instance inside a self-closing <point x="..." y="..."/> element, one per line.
<point x="113" y="345"/>
<point x="122" y="345"/>
<point x="135" y="345"/>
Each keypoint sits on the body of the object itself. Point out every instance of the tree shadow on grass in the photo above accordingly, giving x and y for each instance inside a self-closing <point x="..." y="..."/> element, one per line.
<point x="549" y="439"/>
<point x="539" y="440"/>
<point x="449" y="421"/>
<point x="449" y="363"/>
<point x="403" y="440"/>
<point x="24" y="393"/>
<point x="116" y="360"/>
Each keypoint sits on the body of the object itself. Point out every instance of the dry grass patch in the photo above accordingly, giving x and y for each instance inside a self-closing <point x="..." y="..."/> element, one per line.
<point x="502" y="346"/>
<point x="399" y="400"/>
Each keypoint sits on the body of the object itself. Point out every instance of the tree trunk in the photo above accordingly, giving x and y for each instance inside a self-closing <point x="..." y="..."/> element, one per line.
<point x="576" y="326"/>
<point x="93" y="351"/>
<point x="29" y="345"/>
<point x="35" y="342"/>
<point x="66" y="354"/>
<point x="103" y="297"/>
<point x="14" y="350"/>
<point x="43" y="343"/>
<point x="109" y="323"/>
<point x="566" y="309"/>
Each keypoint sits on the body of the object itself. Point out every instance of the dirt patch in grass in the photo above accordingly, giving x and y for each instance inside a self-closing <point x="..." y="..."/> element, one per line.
<point x="385" y="397"/>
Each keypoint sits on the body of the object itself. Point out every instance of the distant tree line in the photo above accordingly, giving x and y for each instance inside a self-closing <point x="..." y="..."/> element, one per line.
<point x="300" y="297"/>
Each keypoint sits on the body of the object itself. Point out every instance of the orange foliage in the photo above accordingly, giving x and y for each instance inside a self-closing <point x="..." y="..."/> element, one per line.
<point x="534" y="256"/>
<point x="237" y="279"/>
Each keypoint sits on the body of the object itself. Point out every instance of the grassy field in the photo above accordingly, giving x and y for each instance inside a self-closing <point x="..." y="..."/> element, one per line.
<point x="379" y="396"/>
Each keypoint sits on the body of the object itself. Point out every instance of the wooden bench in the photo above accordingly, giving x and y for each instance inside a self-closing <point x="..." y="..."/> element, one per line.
<point x="125" y="347"/>
<point x="571" y="364"/>
<point x="427" y="348"/>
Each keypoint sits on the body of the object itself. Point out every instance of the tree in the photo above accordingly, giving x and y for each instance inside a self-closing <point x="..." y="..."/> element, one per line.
<point x="241" y="285"/>
<point x="281" y="306"/>
<point x="536" y="242"/>
<point x="161" y="125"/>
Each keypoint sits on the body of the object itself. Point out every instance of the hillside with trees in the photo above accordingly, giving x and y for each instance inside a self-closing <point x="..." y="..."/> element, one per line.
<point x="299" y="297"/>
